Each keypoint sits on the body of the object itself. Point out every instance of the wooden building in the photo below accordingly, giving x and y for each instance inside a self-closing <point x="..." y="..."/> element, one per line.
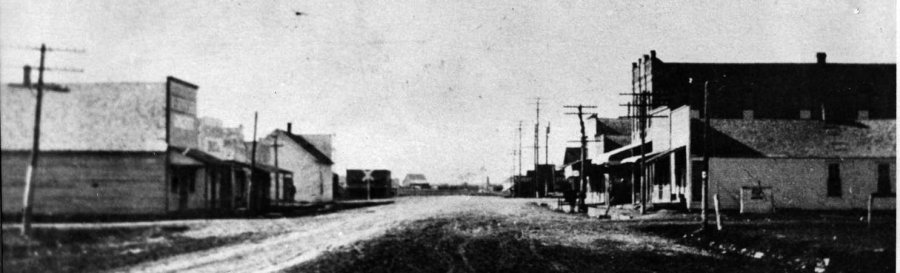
<point x="106" y="149"/>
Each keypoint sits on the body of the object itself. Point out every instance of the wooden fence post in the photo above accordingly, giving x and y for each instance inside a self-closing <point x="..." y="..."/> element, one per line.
<point x="718" y="216"/>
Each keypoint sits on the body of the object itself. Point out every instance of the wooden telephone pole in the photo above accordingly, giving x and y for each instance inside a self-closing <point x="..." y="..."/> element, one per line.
<point x="251" y="208"/>
<point x="537" y="149"/>
<point x="582" y="188"/>
<point x="31" y="170"/>
<point x="520" y="149"/>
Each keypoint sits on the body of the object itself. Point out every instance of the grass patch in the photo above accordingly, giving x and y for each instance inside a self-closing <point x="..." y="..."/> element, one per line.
<point x="90" y="250"/>
<point x="482" y="243"/>
<point x="800" y="241"/>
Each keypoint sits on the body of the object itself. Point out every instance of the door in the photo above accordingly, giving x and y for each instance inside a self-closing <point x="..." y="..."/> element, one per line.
<point x="183" y="185"/>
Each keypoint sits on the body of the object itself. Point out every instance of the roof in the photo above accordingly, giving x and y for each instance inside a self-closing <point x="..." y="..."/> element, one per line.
<point x="798" y="138"/>
<point x="309" y="147"/>
<point x="620" y="141"/>
<point x="89" y="117"/>
<point x="613" y="126"/>
<point x="573" y="154"/>
<point x="778" y="90"/>
<point x="415" y="176"/>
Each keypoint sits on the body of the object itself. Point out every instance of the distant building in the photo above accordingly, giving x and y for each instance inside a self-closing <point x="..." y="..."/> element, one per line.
<point x="222" y="142"/>
<point x="236" y="169"/>
<point x="106" y="149"/>
<point x="415" y="180"/>
<point x="362" y="184"/>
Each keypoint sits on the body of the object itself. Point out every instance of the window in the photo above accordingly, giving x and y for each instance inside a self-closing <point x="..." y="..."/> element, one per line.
<point x="805" y="114"/>
<point x="212" y="146"/>
<point x="834" y="180"/>
<point x="862" y="114"/>
<point x="884" y="178"/>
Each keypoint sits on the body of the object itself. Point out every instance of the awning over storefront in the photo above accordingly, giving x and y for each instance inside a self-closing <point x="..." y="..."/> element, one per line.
<point x="620" y="154"/>
<point x="637" y="158"/>
<point x="663" y="153"/>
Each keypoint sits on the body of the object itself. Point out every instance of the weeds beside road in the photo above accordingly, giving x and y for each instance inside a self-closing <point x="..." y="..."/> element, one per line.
<point x="537" y="241"/>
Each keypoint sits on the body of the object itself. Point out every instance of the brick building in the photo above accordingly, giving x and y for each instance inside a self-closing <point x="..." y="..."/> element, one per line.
<point x="814" y="136"/>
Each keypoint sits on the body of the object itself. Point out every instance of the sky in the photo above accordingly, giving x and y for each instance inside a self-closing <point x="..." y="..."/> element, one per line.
<point x="434" y="87"/>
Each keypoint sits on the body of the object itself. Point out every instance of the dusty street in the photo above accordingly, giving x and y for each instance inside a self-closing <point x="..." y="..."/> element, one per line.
<point x="291" y="241"/>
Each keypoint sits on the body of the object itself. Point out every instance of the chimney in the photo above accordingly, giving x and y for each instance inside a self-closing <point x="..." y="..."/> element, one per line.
<point x="652" y="54"/>
<point x="26" y="77"/>
<point x="289" y="128"/>
<point x="820" y="58"/>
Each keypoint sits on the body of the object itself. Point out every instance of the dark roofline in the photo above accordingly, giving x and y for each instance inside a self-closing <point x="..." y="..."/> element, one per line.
<point x="196" y="154"/>
<point x="321" y="157"/>
<point x="261" y="166"/>
<point x="180" y="81"/>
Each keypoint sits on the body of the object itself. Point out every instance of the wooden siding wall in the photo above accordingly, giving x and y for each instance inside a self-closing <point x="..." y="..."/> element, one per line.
<point x="87" y="183"/>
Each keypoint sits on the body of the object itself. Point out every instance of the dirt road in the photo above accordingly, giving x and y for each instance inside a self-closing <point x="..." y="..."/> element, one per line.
<point x="291" y="241"/>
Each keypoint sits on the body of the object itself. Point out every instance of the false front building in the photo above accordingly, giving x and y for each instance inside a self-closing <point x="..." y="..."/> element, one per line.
<point x="106" y="149"/>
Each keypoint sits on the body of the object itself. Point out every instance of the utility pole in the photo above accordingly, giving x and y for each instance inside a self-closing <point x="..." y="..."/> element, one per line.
<point x="31" y="170"/>
<point x="547" y="146"/>
<point x="639" y="109"/>
<point x="582" y="188"/>
<point x="537" y="150"/>
<point x="520" y="148"/>
<point x="250" y="207"/>
<point x="547" y="159"/>
<point x="705" y="174"/>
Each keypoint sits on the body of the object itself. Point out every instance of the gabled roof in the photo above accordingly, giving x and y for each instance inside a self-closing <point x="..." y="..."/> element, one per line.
<point x="309" y="147"/>
<point x="798" y="138"/>
<point x="89" y="117"/>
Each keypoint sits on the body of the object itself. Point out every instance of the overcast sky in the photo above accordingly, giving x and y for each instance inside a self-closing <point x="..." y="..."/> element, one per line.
<point x="434" y="87"/>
